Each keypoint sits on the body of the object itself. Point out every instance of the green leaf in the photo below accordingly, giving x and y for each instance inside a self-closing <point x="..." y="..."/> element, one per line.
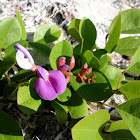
<point x="21" y="75"/>
<point x="88" y="34"/>
<point x="131" y="90"/>
<point x="19" y="18"/>
<point x="7" y="63"/>
<point x="62" y="48"/>
<point x="131" y="21"/>
<point x="91" y="126"/>
<point x="90" y="59"/>
<point x="9" y="129"/>
<point x="40" y="48"/>
<point x="114" y="35"/>
<point x="10" y="49"/>
<point x="73" y="29"/>
<point x="130" y="113"/>
<point x="134" y="66"/>
<point x="101" y="54"/>
<point x="77" y="106"/>
<point x="120" y="135"/>
<point x="128" y="46"/>
<point x="10" y="32"/>
<point x="28" y="100"/>
<point x="113" y="74"/>
<point x="61" y="111"/>
<point x="47" y="33"/>
<point x="98" y="91"/>
<point x="118" y="125"/>
<point x="65" y="96"/>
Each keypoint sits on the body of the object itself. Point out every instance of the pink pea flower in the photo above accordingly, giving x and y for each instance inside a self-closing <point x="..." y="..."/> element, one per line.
<point x="50" y="83"/>
<point x="24" y="58"/>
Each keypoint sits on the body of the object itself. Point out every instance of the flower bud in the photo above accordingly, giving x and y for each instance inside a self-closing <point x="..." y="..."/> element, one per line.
<point x="93" y="76"/>
<point x="90" y="70"/>
<point x="67" y="79"/>
<point x="64" y="68"/>
<point x="92" y="81"/>
<point x="79" y="79"/>
<point x="84" y="72"/>
<point x="72" y="63"/>
<point x="61" y="61"/>
<point x="87" y="81"/>
<point x="85" y="65"/>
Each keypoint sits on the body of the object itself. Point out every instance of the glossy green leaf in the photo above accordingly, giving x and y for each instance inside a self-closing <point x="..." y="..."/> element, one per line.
<point x="98" y="91"/>
<point x="19" y="18"/>
<point x="91" y="126"/>
<point x="7" y="63"/>
<point x="65" y="96"/>
<point x="90" y="59"/>
<point x="10" y="49"/>
<point x="10" y="32"/>
<point x="134" y="66"/>
<point x="120" y="135"/>
<point x="101" y="54"/>
<point x="128" y="46"/>
<point x="61" y="111"/>
<point x="40" y="48"/>
<point x="113" y="74"/>
<point x="73" y="29"/>
<point x="9" y="129"/>
<point x="131" y="90"/>
<point x="88" y="34"/>
<point x="62" y="48"/>
<point x="28" y="100"/>
<point x="114" y="35"/>
<point x="130" y="113"/>
<point x="77" y="106"/>
<point x="118" y="125"/>
<point x="47" y="33"/>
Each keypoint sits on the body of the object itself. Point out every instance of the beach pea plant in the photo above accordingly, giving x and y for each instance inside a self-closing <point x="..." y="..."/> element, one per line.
<point x="74" y="78"/>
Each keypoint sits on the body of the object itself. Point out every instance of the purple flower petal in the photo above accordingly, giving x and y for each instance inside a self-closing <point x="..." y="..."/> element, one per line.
<point x="45" y="89"/>
<point x="42" y="72"/>
<point x="22" y="61"/>
<point x="58" y="81"/>
<point x="25" y="52"/>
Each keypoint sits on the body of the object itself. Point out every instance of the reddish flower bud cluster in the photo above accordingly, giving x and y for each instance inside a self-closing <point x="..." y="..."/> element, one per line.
<point x="63" y="67"/>
<point x="85" y="71"/>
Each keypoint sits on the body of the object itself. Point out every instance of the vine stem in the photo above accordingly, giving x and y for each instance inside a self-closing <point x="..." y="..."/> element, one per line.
<point x="117" y="87"/>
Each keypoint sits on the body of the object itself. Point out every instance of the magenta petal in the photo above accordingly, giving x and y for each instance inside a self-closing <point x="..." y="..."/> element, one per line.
<point x="58" y="81"/>
<point x="42" y="72"/>
<point x="25" y="52"/>
<point x="45" y="89"/>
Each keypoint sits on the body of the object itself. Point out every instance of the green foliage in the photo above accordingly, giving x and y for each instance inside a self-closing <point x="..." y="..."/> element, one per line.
<point x="134" y="66"/>
<point x="28" y="100"/>
<point x="113" y="75"/>
<point x="73" y="29"/>
<point x="128" y="46"/>
<point x="19" y="18"/>
<point x="65" y="96"/>
<point x="91" y="126"/>
<point x="91" y="60"/>
<point x="40" y="48"/>
<point x="62" y="48"/>
<point x="61" y="111"/>
<point x="131" y="90"/>
<point x="47" y="33"/>
<point x="114" y="34"/>
<point x="10" y="32"/>
<point x="9" y="129"/>
<point x="130" y="113"/>
<point x="98" y="91"/>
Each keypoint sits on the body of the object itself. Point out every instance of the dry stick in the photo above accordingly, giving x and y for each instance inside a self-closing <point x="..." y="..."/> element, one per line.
<point x="116" y="89"/>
